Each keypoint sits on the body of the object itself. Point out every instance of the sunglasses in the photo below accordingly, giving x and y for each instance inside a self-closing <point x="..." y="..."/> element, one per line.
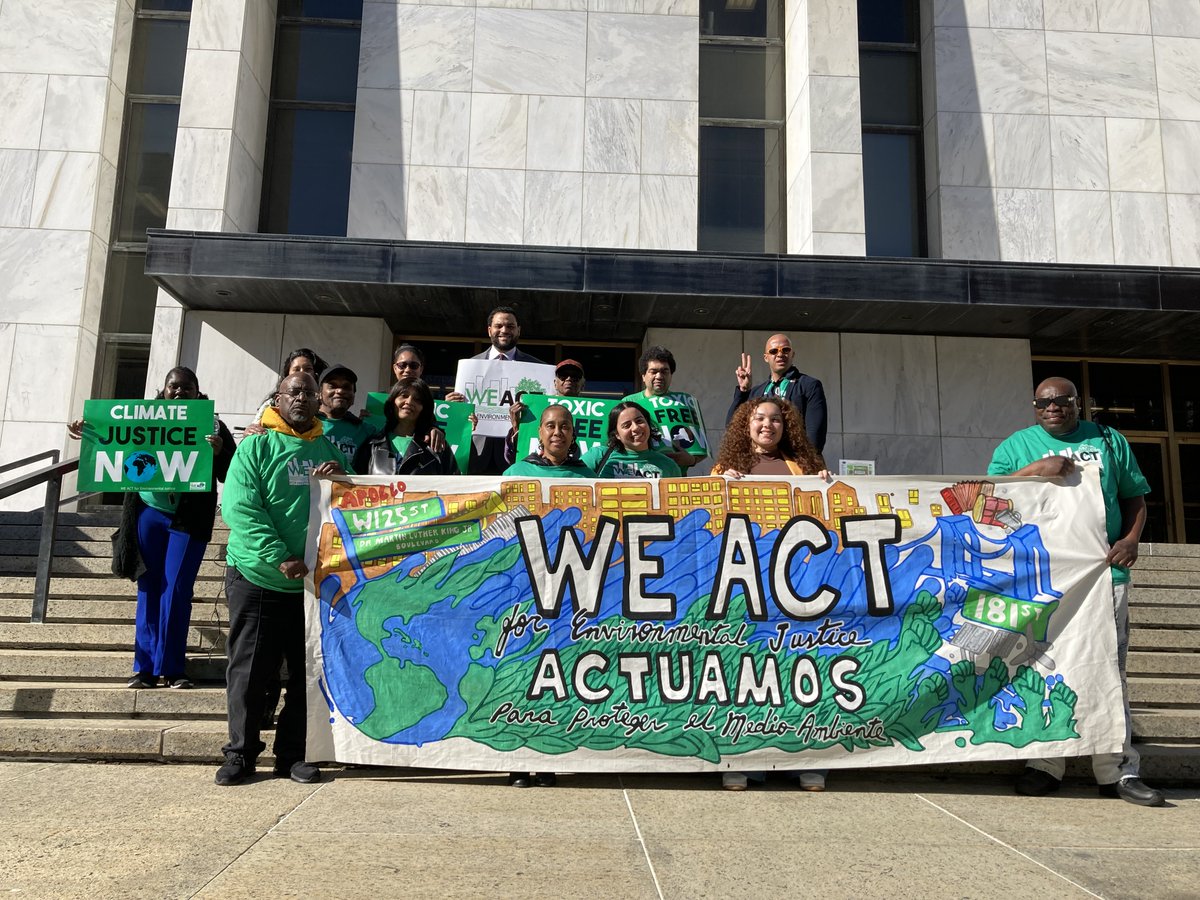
<point x="779" y="351"/>
<point x="1061" y="401"/>
<point x="406" y="365"/>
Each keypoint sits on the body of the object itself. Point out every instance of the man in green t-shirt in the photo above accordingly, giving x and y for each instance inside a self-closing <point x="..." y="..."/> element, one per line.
<point x="345" y="430"/>
<point x="1054" y="447"/>
<point x="674" y="415"/>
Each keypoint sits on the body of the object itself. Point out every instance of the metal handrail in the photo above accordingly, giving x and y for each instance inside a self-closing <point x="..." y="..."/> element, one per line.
<point x="52" y="475"/>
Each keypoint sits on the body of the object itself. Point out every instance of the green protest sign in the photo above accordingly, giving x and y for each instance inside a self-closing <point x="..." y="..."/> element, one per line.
<point x="452" y="418"/>
<point x="676" y="416"/>
<point x="590" y="414"/>
<point x="146" y="445"/>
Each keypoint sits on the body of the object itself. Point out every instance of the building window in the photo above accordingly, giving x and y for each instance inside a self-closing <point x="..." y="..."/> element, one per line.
<point x="310" y="130"/>
<point x="893" y="164"/>
<point x="741" y="190"/>
<point x="156" y="58"/>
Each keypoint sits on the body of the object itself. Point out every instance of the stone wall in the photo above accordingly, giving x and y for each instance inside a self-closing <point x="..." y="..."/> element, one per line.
<point x="1064" y="130"/>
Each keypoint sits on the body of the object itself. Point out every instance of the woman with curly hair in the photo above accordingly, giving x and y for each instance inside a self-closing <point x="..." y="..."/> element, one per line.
<point x="628" y="453"/>
<point x="766" y="436"/>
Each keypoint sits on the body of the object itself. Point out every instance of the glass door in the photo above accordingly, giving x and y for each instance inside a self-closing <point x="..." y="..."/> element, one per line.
<point x="1189" y="490"/>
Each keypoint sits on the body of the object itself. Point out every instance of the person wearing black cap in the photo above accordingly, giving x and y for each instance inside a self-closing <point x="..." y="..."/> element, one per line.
<point x="569" y="381"/>
<point x="342" y="427"/>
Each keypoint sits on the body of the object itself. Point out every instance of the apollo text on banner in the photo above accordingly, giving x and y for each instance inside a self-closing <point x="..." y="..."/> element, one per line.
<point x="146" y="445"/>
<point x="706" y="623"/>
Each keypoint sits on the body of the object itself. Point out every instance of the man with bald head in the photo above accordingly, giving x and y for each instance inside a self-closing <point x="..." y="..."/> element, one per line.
<point x="1054" y="447"/>
<point x="265" y="505"/>
<point x="803" y="391"/>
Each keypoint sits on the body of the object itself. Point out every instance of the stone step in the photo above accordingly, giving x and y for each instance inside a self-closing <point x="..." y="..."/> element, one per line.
<point x="1155" y="639"/>
<point x="111" y="610"/>
<point x="89" y="566"/>
<point x="84" y="531"/>
<point x="148" y="739"/>
<point x="1153" y="691"/>
<point x="1165" y="578"/>
<point x="1164" y="596"/>
<point x="96" y="549"/>
<point x="1168" y="550"/>
<point x="1166" y="563"/>
<point x="90" y="636"/>
<point x="100" y="515"/>
<point x="1164" y="616"/>
<point x="1155" y="663"/>
<point x="94" y="666"/>
<point x="109" y="701"/>
<point x="1166" y="724"/>
<point x="19" y="586"/>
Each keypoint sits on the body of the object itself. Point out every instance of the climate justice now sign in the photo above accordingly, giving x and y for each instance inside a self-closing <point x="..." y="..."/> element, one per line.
<point x="146" y="445"/>
<point x="706" y="623"/>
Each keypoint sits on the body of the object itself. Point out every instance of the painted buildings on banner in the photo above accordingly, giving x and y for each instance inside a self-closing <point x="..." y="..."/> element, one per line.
<point x="939" y="202"/>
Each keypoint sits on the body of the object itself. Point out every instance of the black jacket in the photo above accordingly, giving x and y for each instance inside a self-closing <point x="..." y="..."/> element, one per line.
<point x="373" y="456"/>
<point x="804" y="392"/>
<point x="194" y="515"/>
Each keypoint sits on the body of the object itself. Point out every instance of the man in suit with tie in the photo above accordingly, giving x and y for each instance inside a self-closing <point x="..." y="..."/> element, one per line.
<point x="504" y="331"/>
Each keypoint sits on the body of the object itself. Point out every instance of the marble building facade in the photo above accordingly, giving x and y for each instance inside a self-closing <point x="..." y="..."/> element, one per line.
<point x="1055" y="130"/>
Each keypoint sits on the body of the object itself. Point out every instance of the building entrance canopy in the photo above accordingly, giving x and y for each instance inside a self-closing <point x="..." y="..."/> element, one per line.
<point x="447" y="288"/>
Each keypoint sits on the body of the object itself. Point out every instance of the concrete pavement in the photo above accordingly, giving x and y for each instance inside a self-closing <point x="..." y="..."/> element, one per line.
<point x="151" y="830"/>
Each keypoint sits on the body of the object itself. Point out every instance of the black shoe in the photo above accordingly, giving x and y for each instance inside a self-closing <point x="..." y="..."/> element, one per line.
<point x="519" y="779"/>
<point x="236" y="770"/>
<point x="142" y="680"/>
<point x="1036" y="783"/>
<point x="1131" y="789"/>
<point x="300" y="772"/>
<point x="544" y="779"/>
<point x="178" y="682"/>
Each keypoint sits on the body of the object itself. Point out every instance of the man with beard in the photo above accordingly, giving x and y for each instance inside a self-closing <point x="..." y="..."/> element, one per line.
<point x="675" y="415"/>
<point x="265" y="504"/>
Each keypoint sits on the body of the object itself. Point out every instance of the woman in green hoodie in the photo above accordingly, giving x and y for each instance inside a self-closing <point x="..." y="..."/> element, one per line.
<point x="628" y="454"/>
<point x="557" y="455"/>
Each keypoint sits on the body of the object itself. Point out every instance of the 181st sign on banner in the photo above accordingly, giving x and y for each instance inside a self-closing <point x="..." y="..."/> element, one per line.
<point x="146" y="445"/>
<point x="706" y="624"/>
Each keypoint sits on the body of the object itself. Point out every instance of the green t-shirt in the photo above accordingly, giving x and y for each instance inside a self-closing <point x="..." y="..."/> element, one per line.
<point x="166" y="502"/>
<point x="677" y="420"/>
<point x="347" y="435"/>
<point x="622" y="463"/>
<point x="535" y="471"/>
<point x="1120" y="476"/>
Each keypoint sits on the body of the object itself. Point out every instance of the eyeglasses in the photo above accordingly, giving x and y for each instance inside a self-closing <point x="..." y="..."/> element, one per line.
<point x="406" y="365"/>
<point x="1061" y="401"/>
<point x="300" y="395"/>
<point x="779" y="351"/>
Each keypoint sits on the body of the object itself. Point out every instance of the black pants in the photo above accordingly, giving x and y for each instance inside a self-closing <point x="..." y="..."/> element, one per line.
<point x="265" y="627"/>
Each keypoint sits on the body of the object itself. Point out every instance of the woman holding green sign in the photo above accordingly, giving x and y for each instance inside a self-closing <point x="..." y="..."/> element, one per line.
<point x="160" y="544"/>
<point x="402" y="448"/>
<point x="557" y="454"/>
<point x="628" y="454"/>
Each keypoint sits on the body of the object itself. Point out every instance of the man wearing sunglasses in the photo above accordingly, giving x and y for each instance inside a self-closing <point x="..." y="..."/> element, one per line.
<point x="1054" y="447"/>
<point x="803" y="391"/>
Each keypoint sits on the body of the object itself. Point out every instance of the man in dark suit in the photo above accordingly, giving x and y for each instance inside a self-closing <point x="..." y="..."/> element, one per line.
<point x="504" y="331"/>
<point x="803" y="391"/>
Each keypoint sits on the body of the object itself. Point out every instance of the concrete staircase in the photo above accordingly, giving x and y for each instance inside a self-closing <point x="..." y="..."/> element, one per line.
<point x="62" y="683"/>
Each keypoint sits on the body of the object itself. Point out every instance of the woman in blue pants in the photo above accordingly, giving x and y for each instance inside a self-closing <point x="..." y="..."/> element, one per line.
<point x="160" y="545"/>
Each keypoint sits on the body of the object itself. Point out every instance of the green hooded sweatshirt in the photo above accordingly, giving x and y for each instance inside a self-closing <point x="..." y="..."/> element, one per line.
<point x="265" y="502"/>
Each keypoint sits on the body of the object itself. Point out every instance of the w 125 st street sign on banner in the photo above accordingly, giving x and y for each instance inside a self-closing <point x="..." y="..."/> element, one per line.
<point x="705" y="624"/>
<point x="146" y="445"/>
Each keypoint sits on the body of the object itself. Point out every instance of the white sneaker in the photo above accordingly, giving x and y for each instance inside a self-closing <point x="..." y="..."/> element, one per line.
<point x="734" y="781"/>
<point x="812" y="781"/>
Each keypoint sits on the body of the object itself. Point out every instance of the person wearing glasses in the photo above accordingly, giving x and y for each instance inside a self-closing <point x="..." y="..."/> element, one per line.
<point x="265" y="505"/>
<point x="1054" y="447"/>
<point x="803" y="391"/>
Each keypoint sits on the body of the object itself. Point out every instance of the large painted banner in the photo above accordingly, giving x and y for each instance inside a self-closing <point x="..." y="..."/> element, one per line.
<point x="705" y="624"/>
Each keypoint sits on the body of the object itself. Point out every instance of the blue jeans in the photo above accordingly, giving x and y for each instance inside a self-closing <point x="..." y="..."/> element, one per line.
<point x="164" y="597"/>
